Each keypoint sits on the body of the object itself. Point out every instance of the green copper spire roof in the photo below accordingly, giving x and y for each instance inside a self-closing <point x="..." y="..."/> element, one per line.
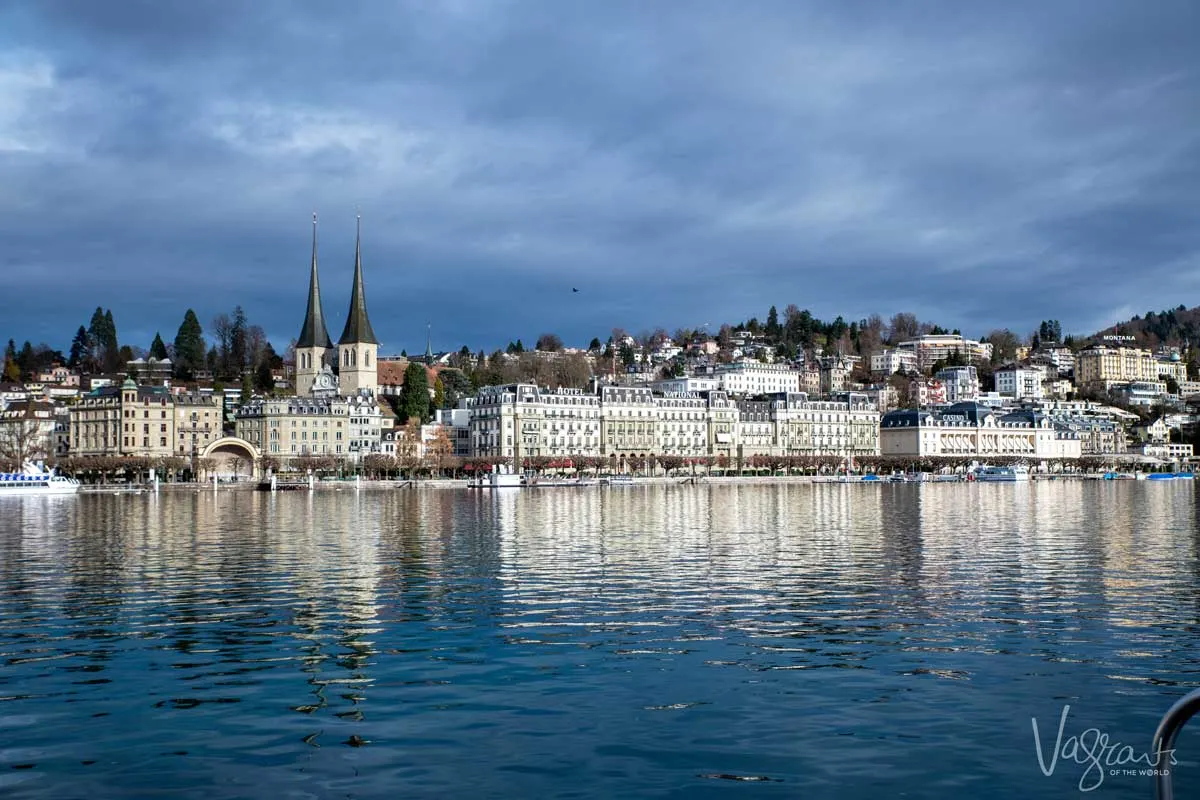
<point x="313" y="334"/>
<point x="358" y="327"/>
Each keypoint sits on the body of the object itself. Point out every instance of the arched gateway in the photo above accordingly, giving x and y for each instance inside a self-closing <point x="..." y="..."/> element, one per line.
<point x="231" y="457"/>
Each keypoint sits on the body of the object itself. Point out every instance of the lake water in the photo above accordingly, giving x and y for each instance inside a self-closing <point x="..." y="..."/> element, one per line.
<point x="671" y="641"/>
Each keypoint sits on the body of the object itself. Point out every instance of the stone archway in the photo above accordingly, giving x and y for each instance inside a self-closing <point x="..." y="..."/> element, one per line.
<point x="231" y="458"/>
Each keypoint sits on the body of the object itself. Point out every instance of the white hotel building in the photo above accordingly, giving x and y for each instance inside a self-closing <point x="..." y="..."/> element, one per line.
<point x="973" y="430"/>
<point x="892" y="360"/>
<point x="522" y="420"/>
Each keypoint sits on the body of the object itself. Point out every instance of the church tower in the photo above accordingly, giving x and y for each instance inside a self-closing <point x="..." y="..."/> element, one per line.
<point x="313" y="344"/>
<point x="358" y="347"/>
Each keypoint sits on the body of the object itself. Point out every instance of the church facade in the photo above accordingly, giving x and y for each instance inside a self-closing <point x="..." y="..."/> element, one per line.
<point x="335" y="411"/>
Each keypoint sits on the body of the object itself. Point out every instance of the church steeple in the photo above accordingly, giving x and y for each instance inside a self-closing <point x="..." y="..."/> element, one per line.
<point x="314" y="334"/>
<point x="358" y="326"/>
<point x="358" y="349"/>
<point x="428" y="346"/>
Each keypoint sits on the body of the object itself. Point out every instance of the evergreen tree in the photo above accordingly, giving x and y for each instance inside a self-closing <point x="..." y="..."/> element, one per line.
<point x="263" y="381"/>
<point x="439" y="393"/>
<point x="81" y="347"/>
<point x="773" y="328"/>
<point x="189" y="347"/>
<point x="595" y="345"/>
<point x="11" y="371"/>
<point x="213" y="360"/>
<point x="414" y="395"/>
<point x="247" y="388"/>
<point x="113" y="360"/>
<point x="237" y="341"/>
<point x="157" y="348"/>
<point x="26" y="362"/>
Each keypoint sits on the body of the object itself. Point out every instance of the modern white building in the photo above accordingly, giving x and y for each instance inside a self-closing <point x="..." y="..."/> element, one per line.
<point x="755" y="378"/>
<point x="893" y="360"/>
<point x="932" y="348"/>
<point x="1020" y="381"/>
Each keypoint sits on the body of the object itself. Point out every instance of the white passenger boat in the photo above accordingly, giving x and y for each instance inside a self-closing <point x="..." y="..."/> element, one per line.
<point x="618" y="480"/>
<point x="1002" y="474"/>
<point x="501" y="477"/>
<point x="33" y="479"/>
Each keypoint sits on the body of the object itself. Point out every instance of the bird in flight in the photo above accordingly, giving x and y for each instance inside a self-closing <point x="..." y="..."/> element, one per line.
<point x="574" y="290"/>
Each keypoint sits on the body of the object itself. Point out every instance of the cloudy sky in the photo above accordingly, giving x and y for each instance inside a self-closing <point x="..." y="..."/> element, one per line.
<point x="981" y="165"/>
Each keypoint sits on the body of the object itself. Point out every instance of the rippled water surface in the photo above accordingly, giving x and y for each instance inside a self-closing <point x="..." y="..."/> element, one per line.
<point x="734" y="641"/>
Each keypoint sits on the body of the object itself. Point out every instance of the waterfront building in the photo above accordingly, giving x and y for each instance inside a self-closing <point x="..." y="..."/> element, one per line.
<point x="148" y="421"/>
<point x="523" y="420"/>
<point x="846" y="424"/>
<point x="1020" y="382"/>
<point x="893" y="360"/>
<point x="973" y="430"/>
<point x="324" y="424"/>
<point x="687" y="384"/>
<point x="932" y="348"/>
<point x="961" y="383"/>
<point x="1097" y="435"/>
<point x="624" y="422"/>
<point x="683" y="426"/>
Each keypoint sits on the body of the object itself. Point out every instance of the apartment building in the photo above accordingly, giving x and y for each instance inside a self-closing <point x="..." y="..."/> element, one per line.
<point x="1020" y="381"/>
<point x="932" y="348"/>
<point x="147" y="421"/>
<point x="755" y="378"/>
<point x="961" y="383"/>
<point x="893" y="360"/>
<point x="321" y="425"/>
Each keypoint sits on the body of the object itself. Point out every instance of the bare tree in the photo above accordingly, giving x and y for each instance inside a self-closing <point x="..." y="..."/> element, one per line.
<point x="22" y="440"/>
<point x="903" y="326"/>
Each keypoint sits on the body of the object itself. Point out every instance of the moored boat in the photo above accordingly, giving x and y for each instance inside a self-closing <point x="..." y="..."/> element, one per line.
<point x="989" y="474"/>
<point x="34" y="480"/>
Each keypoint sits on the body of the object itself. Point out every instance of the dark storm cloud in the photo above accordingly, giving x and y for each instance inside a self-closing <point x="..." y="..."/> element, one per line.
<point x="982" y="166"/>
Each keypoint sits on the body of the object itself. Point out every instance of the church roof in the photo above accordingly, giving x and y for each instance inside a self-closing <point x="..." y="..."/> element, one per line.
<point x="314" y="334"/>
<point x="358" y="326"/>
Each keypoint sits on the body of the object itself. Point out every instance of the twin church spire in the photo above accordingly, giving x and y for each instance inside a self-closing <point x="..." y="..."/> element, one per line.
<point x="357" y="348"/>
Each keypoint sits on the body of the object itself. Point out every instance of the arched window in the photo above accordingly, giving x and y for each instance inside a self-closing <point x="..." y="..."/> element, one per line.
<point x="345" y="358"/>
<point x="353" y="358"/>
<point x="366" y="358"/>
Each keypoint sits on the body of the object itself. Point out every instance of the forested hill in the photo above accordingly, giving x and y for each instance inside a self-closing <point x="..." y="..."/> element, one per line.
<point x="1172" y="327"/>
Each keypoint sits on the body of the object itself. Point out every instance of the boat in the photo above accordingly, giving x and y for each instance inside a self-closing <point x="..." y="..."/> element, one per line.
<point x="947" y="477"/>
<point x="618" y="480"/>
<point x="1002" y="474"/>
<point x="33" y="479"/>
<point x="551" y="482"/>
<point x="501" y="477"/>
<point x="1120" y="476"/>
<point x="1170" y="476"/>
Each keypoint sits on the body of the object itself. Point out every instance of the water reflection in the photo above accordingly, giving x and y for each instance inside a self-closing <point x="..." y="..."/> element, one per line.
<point x="592" y="641"/>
